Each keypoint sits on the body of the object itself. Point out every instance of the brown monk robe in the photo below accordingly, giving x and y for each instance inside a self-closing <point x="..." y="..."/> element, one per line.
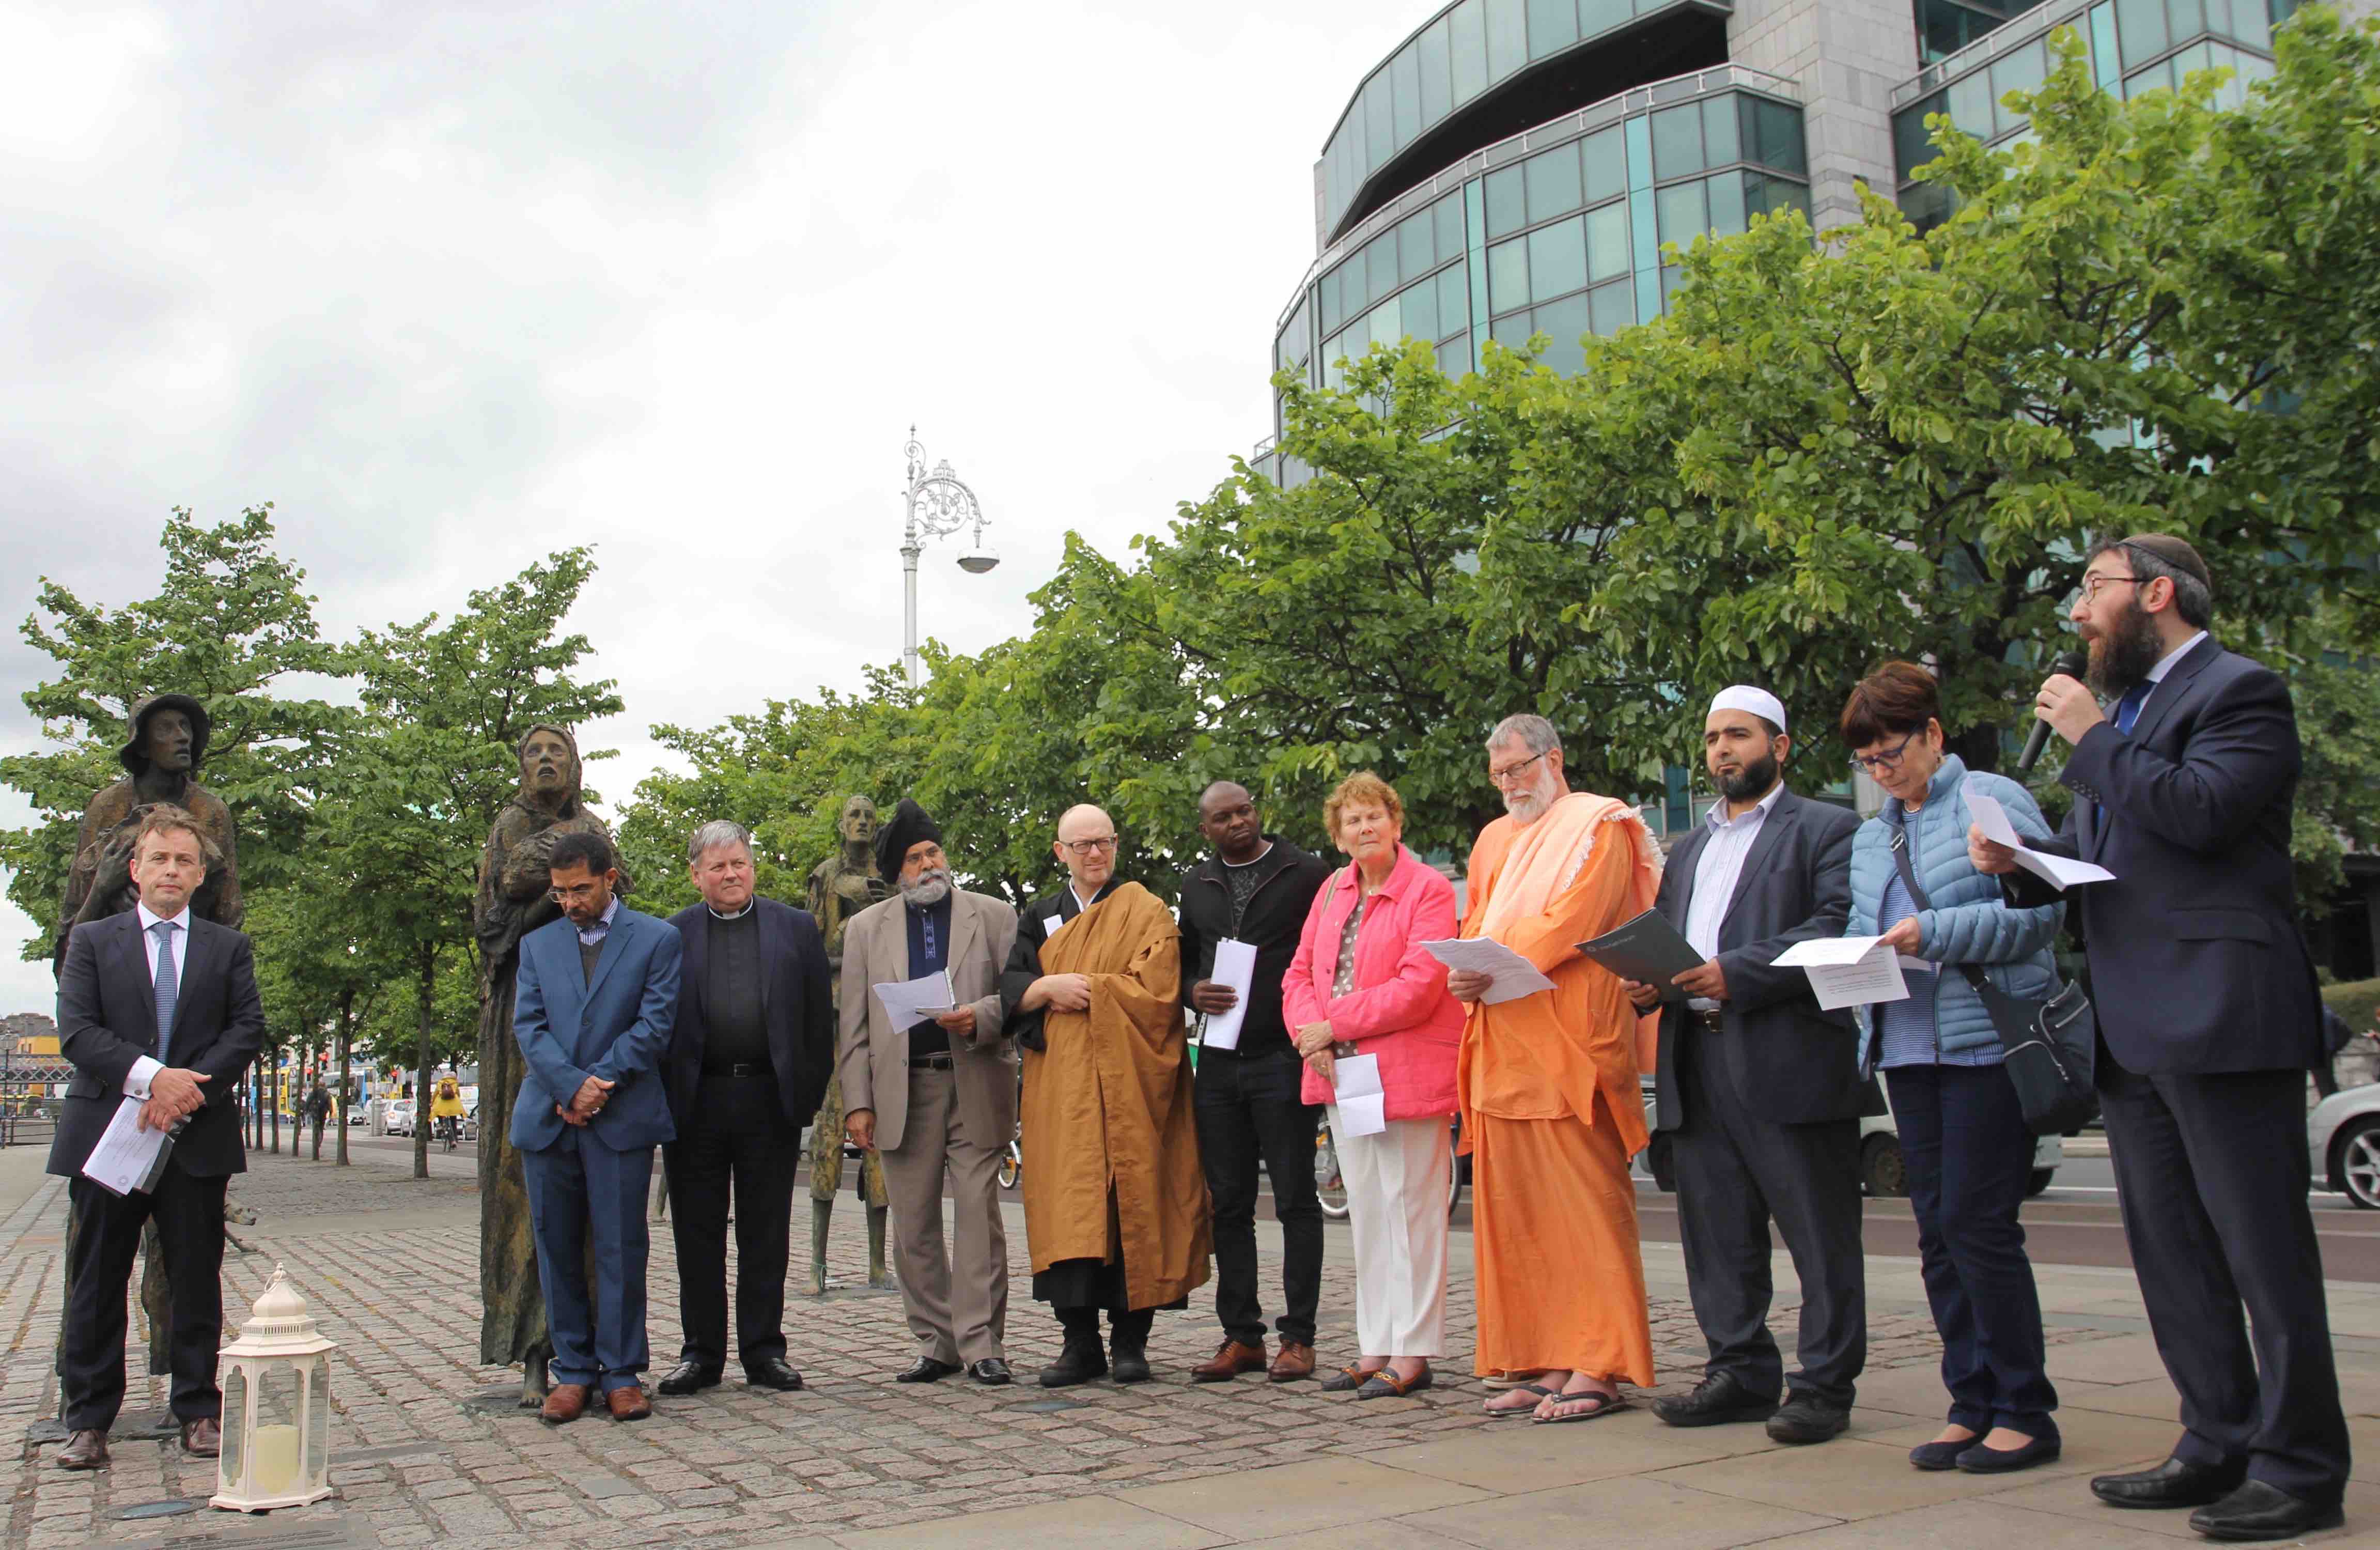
<point x="1115" y="1203"/>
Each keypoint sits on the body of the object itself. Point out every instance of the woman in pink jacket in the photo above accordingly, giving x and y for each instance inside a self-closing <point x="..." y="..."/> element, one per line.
<point x="1361" y="985"/>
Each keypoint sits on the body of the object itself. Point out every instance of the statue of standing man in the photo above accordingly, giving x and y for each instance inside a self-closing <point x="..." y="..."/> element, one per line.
<point x="843" y="885"/>
<point x="512" y="901"/>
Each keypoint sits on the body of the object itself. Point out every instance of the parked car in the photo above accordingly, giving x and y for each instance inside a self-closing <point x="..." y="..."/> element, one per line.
<point x="398" y="1121"/>
<point x="1881" y="1170"/>
<point x="2343" y="1143"/>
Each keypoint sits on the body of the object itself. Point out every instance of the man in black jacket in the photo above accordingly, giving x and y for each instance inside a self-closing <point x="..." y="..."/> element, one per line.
<point x="747" y="1062"/>
<point x="2209" y="1020"/>
<point x="161" y="1006"/>
<point x="1759" y="1089"/>
<point x="1254" y="890"/>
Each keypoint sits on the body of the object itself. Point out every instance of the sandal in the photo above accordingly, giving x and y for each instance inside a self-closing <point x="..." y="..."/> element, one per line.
<point x="1348" y="1379"/>
<point x="1384" y="1384"/>
<point x="1605" y="1404"/>
<point x="1504" y="1412"/>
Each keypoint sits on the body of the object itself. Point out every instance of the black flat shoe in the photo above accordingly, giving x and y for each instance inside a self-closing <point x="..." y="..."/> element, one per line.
<point x="772" y="1371"/>
<point x="990" y="1370"/>
<point x="1979" y="1459"/>
<point x="688" y="1377"/>
<point x="2258" y="1510"/>
<point x="2175" y="1482"/>
<point x="1933" y="1457"/>
<point x="926" y="1369"/>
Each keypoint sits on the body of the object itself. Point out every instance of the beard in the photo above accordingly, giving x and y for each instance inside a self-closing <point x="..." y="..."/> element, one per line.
<point x="1528" y="806"/>
<point x="1752" y="780"/>
<point x="930" y="888"/>
<point x="2122" y="658"/>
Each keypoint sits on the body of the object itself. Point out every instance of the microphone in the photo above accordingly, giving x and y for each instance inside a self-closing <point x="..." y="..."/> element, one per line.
<point x="2073" y="665"/>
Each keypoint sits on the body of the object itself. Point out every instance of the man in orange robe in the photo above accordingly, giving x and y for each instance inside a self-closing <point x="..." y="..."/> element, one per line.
<point x="1547" y="1087"/>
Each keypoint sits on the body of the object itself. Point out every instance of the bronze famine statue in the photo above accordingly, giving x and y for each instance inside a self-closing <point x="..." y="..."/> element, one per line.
<point x="513" y="901"/>
<point x="843" y="885"/>
<point x="160" y="757"/>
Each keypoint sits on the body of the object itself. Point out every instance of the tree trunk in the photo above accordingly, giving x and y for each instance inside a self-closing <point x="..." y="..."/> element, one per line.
<point x="347" y="1069"/>
<point x="427" y="992"/>
<point x="273" y="1100"/>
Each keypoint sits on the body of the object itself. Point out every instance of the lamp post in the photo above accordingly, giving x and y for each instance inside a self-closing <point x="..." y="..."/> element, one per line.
<point x="939" y="505"/>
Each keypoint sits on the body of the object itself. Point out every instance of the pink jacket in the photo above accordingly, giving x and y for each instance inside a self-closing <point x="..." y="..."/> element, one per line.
<point x="1400" y="1010"/>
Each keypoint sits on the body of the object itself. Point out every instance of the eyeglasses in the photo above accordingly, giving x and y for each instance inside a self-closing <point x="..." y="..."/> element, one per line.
<point x="2091" y="585"/>
<point x="1512" y="772"/>
<point x="1882" y="759"/>
<point x="1087" y="848"/>
<point x="577" y="890"/>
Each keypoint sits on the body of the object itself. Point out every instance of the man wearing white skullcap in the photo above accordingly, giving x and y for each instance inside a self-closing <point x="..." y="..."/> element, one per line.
<point x="1759" y="1094"/>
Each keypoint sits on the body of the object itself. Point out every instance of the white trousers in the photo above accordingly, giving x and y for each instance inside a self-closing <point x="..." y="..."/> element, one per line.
<point x="1396" y="1208"/>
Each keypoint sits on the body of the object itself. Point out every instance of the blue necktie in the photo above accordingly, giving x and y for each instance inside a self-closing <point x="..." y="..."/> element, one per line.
<point x="168" y="989"/>
<point x="2127" y="709"/>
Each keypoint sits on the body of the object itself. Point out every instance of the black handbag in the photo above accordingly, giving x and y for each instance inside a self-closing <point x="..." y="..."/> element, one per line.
<point x="2051" y="1046"/>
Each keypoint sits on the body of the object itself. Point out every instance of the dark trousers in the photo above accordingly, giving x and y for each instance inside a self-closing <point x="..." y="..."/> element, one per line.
<point x="581" y="1192"/>
<point x="190" y="1214"/>
<point x="1130" y="1330"/>
<point x="1969" y="1154"/>
<point x="1249" y="1108"/>
<point x="1736" y="1172"/>
<point x="739" y="1137"/>
<point x="2212" y="1176"/>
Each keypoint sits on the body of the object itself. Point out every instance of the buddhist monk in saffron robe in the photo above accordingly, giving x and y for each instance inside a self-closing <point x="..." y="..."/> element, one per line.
<point x="1547" y="1088"/>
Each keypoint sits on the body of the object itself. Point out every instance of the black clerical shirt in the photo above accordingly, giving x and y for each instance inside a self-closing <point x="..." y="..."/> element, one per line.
<point x="930" y="952"/>
<point x="738" y="1033"/>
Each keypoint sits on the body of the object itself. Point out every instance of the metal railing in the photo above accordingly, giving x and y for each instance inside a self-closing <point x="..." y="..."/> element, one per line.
<point x="32" y="1094"/>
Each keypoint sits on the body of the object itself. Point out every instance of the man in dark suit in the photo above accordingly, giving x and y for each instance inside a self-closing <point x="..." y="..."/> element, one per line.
<point x="158" y="1006"/>
<point x="748" y="1060"/>
<point x="2208" y="1022"/>
<point x="595" y="995"/>
<point x="1759" y="1091"/>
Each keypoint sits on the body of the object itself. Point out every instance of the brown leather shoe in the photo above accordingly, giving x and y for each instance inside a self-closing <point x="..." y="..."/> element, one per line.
<point x="1295" y="1362"/>
<point x="84" y="1451"/>
<point x="628" y="1404"/>
<point x="565" y="1404"/>
<point x="1231" y="1360"/>
<point x="202" y="1439"/>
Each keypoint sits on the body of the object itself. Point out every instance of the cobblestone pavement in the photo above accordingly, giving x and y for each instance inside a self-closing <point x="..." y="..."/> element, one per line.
<point x="427" y="1446"/>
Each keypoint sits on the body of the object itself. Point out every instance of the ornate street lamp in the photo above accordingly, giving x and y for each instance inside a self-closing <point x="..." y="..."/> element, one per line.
<point x="939" y="505"/>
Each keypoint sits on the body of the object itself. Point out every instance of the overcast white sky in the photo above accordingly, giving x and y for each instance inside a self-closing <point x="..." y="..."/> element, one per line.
<point x="454" y="286"/>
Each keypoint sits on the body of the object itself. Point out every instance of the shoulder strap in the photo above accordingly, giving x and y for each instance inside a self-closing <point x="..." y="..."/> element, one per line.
<point x="1909" y="880"/>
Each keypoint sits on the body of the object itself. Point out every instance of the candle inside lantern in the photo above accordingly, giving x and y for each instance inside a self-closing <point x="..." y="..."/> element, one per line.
<point x="276" y="1459"/>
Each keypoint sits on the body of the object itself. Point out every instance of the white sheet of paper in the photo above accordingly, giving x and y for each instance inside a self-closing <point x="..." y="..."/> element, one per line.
<point x="1509" y="976"/>
<point x="910" y="1002"/>
<point x="121" y="1161"/>
<point x="1848" y="970"/>
<point x="1355" y="1088"/>
<point x="1993" y="819"/>
<point x="1235" y="965"/>
<point x="1049" y="925"/>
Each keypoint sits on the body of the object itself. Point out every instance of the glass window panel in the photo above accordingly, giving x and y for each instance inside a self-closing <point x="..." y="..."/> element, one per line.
<point x="1453" y="298"/>
<point x="1405" y="87"/>
<point x="1507" y="38"/>
<point x="1466" y="49"/>
<point x="1380" y="264"/>
<point x="2157" y="77"/>
<point x="1418" y="311"/>
<point x="1671" y="278"/>
<point x="1727" y="216"/>
<point x="1379" y="123"/>
<point x="1508" y="275"/>
<point x="2218" y="17"/>
<point x="1511" y="331"/>
<point x="1562" y="322"/>
<point x="1721" y="142"/>
<point x="2141" y="26"/>
<point x="1327" y="303"/>
<point x="1678" y="141"/>
<point x="2106" y="69"/>
<point x="1387" y="322"/>
<point x="2189" y="59"/>
<point x="2022" y="70"/>
<point x="2184" y="18"/>
<point x="1552" y="178"/>
<point x="1602" y="16"/>
<point x="1353" y="295"/>
<point x="1557" y="258"/>
<point x="1927" y="205"/>
<point x="1912" y="144"/>
<point x="1416" y="247"/>
<point x="1508" y="209"/>
<point x="2250" y="24"/>
<point x="1435" y="102"/>
<point x="1781" y="144"/>
<point x="1552" y="24"/>
<point x="1447" y="217"/>
<point x="1606" y="241"/>
<point x="1971" y="105"/>
<point x="1685" y="212"/>
<point x="1606" y="161"/>
<point x="1454" y="356"/>
<point x="1611" y="308"/>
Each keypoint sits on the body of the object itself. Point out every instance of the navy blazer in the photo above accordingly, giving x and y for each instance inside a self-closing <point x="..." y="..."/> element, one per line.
<point x="613" y="1026"/>
<point x="1788" y="1060"/>
<point x="107" y="1020"/>
<point x="796" y="1007"/>
<point x="2196" y="962"/>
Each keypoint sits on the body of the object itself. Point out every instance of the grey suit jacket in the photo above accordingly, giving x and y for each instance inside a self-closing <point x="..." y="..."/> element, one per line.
<point x="874" y="1057"/>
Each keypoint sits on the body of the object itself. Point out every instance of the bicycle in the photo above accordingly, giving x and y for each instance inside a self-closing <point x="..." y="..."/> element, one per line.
<point x="1012" y="1161"/>
<point x="1330" y="1187"/>
<point x="448" y="1130"/>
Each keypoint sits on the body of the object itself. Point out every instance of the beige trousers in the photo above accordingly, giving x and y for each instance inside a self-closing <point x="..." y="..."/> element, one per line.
<point x="958" y="1311"/>
<point x="1396" y="1214"/>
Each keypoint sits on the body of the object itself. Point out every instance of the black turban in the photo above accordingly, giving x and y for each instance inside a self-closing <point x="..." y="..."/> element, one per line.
<point x="909" y="824"/>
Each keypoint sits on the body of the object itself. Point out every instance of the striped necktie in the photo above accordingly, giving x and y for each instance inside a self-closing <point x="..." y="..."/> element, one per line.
<point x="168" y="987"/>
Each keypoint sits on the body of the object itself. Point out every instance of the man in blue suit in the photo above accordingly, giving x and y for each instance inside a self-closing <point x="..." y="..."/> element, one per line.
<point x="2208" y="1022"/>
<point x="596" y="996"/>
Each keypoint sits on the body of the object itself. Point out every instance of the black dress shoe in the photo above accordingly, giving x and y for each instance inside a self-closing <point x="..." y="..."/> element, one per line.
<point x="772" y="1371"/>
<point x="1979" y="1459"/>
<point x="1806" y="1418"/>
<point x="926" y="1369"/>
<point x="1080" y="1362"/>
<point x="2175" y="1482"/>
<point x="990" y="1370"/>
<point x="2258" y="1510"/>
<point x="1719" y="1398"/>
<point x="688" y="1377"/>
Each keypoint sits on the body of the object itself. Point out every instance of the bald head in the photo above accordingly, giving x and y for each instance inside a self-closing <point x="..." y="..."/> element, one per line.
<point x="1086" y="847"/>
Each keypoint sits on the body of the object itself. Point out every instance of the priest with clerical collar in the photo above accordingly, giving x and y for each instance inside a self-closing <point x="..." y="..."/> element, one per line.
<point x="1115" y="1202"/>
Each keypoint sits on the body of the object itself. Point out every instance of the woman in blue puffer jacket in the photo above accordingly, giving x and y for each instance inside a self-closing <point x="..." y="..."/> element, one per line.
<point x="1963" y="1137"/>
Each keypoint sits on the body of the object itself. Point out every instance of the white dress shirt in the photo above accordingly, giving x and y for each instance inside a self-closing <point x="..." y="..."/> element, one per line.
<point x="136" y="1081"/>
<point x="1717" y="870"/>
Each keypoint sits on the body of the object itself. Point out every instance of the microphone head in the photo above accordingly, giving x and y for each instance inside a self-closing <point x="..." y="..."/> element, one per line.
<point x="2072" y="663"/>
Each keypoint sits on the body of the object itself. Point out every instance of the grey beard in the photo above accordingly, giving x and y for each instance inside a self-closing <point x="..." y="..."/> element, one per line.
<point x="932" y="887"/>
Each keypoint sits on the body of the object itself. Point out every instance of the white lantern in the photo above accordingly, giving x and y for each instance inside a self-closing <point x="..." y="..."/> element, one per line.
<point x="276" y="1407"/>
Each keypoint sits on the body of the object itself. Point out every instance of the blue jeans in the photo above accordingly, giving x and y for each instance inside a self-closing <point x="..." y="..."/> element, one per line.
<point x="1968" y="1153"/>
